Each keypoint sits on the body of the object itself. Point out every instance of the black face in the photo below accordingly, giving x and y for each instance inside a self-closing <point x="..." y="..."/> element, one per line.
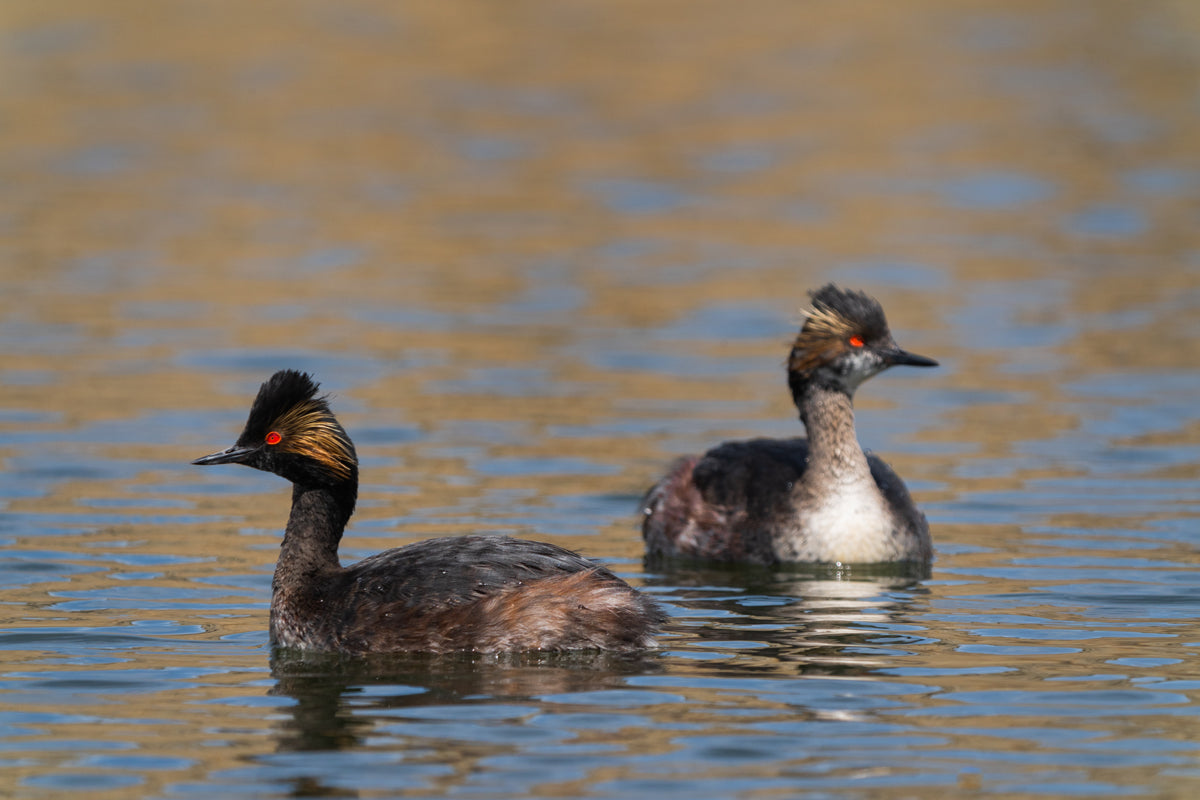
<point x="292" y="433"/>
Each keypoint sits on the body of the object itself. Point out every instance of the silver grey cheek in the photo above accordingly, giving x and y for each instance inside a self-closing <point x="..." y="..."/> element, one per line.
<point x="858" y="365"/>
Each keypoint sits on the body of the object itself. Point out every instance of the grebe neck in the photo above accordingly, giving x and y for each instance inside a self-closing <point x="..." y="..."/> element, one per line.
<point x="835" y="456"/>
<point x="314" y="529"/>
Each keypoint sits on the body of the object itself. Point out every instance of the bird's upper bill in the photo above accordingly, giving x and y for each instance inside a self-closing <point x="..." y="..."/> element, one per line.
<point x="233" y="455"/>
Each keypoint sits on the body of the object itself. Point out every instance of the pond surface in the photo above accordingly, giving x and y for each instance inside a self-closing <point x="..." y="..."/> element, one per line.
<point x="536" y="251"/>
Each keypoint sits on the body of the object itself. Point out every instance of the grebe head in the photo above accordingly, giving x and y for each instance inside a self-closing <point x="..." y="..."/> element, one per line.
<point x="845" y="340"/>
<point x="292" y="432"/>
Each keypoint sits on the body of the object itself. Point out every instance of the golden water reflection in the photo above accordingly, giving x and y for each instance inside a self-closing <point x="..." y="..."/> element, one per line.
<point x="537" y="250"/>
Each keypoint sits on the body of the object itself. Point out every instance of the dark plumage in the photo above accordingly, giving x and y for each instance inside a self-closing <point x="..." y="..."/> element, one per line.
<point x="819" y="499"/>
<point x="481" y="593"/>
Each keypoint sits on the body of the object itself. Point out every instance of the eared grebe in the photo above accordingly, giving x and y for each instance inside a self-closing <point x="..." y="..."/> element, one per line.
<point x="481" y="593"/>
<point x="820" y="499"/>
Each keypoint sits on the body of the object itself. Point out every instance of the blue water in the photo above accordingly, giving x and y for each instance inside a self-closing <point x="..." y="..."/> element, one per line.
<point x="536" y="255"/>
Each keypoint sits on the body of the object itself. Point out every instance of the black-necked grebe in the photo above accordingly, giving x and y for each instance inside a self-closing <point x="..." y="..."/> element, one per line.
<point x="820" y="499"/>
<point x="480" y="593"/>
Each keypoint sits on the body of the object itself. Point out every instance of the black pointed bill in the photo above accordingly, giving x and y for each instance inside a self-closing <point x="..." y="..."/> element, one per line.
<point x="903" y="358"/>
<point x="234" y="455"/>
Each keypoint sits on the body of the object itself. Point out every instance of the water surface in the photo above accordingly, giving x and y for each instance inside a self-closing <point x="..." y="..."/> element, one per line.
<point x="536" y="252"/>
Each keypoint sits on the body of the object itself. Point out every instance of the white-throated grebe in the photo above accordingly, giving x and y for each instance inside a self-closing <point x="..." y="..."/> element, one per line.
<point x="820" y="499"/>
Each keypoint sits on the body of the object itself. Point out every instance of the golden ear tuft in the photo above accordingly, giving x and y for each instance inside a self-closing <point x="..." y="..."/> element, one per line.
<point x="821" y="339"/>
<point x="310" y="430"/>
<point x="823" y="322"/>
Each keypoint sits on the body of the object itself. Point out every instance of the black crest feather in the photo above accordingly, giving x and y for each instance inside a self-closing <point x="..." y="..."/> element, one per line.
<point x="280" y="393"/>
<point x="288" y="404"/>
<point x="846" y="312"/>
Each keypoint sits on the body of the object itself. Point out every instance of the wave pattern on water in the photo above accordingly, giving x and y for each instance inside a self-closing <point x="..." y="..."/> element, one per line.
<point x="534" y="255"/>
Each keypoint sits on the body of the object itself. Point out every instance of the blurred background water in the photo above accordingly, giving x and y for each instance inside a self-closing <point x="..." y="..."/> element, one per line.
<point x="536" y="250"/>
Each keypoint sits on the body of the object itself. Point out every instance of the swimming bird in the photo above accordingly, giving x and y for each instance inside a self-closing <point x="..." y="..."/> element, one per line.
<point x="468" y="593"/>
<point x="814" y="499"/>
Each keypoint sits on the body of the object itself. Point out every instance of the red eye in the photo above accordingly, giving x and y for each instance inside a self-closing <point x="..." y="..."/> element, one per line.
<point x="274" y="438"/>
<point x="856" y="341"/>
